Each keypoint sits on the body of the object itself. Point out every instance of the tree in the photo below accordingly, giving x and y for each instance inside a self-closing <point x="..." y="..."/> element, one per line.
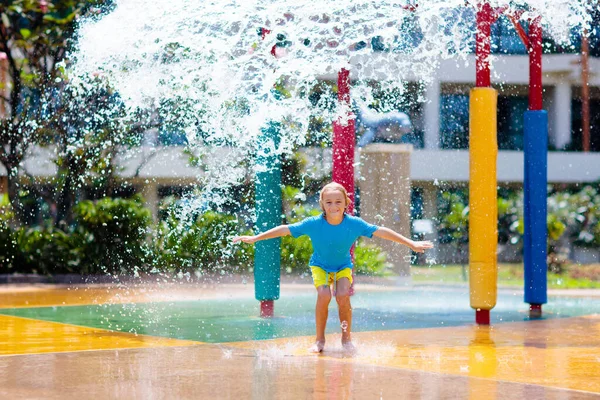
<point x="34" y="39"/>
<point x="86" y="126"/>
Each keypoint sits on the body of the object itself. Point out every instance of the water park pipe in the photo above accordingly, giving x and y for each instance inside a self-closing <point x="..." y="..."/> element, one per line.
<point x="535" y="145"/>
<point x="483" y="153"/>
<point x="344" y="138"/>
<point x="267" y="259"/>
<point x="485" y="18"/>
<point x="267" y="256"/>
<point x="585" y="90"/>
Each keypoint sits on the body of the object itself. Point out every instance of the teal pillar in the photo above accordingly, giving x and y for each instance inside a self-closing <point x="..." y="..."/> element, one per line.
<point x="267" y="256"/>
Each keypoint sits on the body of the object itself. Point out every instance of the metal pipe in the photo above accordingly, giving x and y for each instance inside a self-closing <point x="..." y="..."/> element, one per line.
<point x="585" y="91"/>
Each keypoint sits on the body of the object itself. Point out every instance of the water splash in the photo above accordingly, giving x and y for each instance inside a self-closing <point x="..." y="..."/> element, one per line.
<point x="344" y="326"/>
<point x="207" y="64"/>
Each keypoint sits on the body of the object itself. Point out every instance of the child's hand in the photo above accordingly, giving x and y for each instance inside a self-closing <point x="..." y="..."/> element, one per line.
<point x="420" y="247"/>
<point x="245" y="239"/>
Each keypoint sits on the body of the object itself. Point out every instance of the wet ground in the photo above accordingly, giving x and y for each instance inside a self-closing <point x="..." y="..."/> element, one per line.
<point x="203" y="341"/>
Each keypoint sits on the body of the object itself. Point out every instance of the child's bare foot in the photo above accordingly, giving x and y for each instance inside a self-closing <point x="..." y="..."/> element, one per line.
<point x="349" y="347"/>
<point x="317" y="347"/>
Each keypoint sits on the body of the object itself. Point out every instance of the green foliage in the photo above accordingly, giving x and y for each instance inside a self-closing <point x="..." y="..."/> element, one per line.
<point x="10" y="253"/>
<point x="510" y="218"/>
<point x="574" y="213"/>
<point x="585" y="205"/>
<point x="295" y="253"/>
<point x="453" y="217"/>
<point x="79" y="120"/>
<point x="369" y="259"/>
<point x="6" y="213"/>
<point x="556" y="227"/>
<point x="48" y="250"/>
<point x="43" y="249"/>
<point x="201" y="244"/>
<point x="112" y="234"/>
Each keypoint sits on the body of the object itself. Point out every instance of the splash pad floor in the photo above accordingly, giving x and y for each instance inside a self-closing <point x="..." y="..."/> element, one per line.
<point x="201" y="341"/>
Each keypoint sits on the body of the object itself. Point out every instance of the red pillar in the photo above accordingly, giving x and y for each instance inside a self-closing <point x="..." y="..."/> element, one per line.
<point x="267" y="308"/>
<point x="344" y="139"/>
<point x="535" y="64"/>
<point x="483" y="45"/>
<point x="482" y="317"/>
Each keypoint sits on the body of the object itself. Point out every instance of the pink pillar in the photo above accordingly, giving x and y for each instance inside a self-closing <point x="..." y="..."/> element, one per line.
<point x="343" y="140"/>
<point x="344" y="137"/>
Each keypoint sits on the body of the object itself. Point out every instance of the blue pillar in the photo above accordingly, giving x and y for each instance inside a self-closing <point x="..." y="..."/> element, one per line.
<point x="535" y="198"/>
<point x="268" y="214"/>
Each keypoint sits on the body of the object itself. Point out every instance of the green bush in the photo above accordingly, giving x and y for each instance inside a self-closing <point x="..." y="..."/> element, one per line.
<point x="510" y="219"/>
<point x="111" y="234"/>
<point x="369" y="259"/>
<point x="453" y="217"/>
<point x="295" y="253"/>
<point x="10" y="253"/>
<point x="204" y="244"/>
<point x="11" y="259"/>
<point x="585" y="204"/>
<point x="47" y="250"/>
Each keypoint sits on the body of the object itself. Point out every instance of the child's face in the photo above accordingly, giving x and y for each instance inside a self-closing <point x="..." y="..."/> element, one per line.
<point x="334" y="203"/>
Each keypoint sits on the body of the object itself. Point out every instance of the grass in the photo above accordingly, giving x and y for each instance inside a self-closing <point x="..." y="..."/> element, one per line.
<point x="575" y="276"/>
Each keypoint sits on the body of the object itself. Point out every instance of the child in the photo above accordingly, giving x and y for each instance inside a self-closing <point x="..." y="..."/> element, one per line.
<point x="332" y="235"/>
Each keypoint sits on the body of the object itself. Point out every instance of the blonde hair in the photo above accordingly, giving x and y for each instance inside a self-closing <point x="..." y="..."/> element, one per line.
<point x="332" y="187"/>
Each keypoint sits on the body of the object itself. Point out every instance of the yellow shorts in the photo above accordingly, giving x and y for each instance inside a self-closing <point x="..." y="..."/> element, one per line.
<point x="323" y="278"/>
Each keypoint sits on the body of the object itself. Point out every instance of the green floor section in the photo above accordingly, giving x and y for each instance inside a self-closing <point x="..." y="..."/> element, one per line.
<point x="232" y="320"/>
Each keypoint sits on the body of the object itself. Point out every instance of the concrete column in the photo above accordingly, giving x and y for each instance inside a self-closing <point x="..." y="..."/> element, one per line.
<point x="431" y="115"/>
<point x="150" y="193"/>
<point x="562" y="115"/>
<point x="385" y="196"/>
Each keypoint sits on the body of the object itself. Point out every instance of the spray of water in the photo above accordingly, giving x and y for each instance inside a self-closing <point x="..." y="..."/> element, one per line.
<point x="212" y="63"/>
<point x="220" y="71"/>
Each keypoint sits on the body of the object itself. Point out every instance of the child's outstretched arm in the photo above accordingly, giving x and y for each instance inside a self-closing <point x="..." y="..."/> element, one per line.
<point x="416" y="246"/>
<point x="278" y="231"/>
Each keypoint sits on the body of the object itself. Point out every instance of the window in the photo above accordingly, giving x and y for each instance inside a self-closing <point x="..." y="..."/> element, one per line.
<point x="454" y="121"/>
<point x="511" y="110"/>
<point x="577" y="126"/>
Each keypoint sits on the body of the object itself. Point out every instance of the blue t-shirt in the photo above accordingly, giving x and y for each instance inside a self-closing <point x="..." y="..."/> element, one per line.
<point x="332" y="243"/>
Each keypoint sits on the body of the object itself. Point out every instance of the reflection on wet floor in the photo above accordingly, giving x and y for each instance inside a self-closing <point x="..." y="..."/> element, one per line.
<point x="562" y="353"/>
<point x="549" y="358"/>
